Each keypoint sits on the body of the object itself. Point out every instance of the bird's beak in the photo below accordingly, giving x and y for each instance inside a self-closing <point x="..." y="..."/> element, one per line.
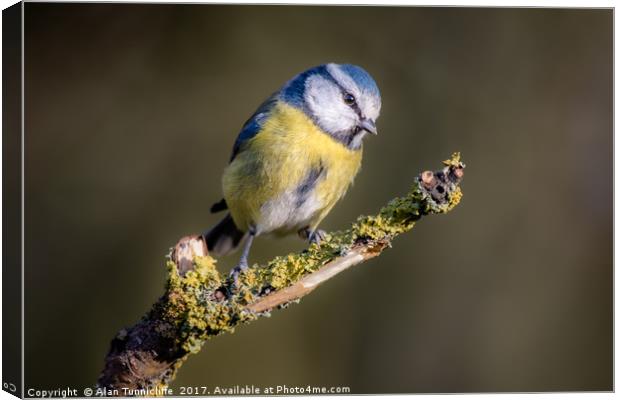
<point x="369" y="126"/>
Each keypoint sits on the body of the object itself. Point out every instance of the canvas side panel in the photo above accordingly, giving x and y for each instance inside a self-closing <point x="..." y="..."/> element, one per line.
<point x="12" y="199"/>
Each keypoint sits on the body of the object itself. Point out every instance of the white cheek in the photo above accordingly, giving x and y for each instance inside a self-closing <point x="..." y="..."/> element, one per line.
<point x="371" y="107"/>
<point x="325" y="102"/>
<point x="356" y="142"/>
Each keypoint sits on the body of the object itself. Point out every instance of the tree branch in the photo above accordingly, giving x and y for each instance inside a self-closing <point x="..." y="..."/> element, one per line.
<point x="200" y="303"/>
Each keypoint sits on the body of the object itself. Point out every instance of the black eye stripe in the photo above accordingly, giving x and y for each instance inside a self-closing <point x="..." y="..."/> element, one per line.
<point x="344" y="91"/>
<point x="357" y="110"/>
<point x="354" y="104"/>
<point x="356" y="107"/>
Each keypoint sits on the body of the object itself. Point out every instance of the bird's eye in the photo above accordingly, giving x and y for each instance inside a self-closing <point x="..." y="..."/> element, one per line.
<point x="349" y="99"/>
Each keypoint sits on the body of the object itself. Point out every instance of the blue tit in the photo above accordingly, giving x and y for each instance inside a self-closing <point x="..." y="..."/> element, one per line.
<point x="295" y="157"/>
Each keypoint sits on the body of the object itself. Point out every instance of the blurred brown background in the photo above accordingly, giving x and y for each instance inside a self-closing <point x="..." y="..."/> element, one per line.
<point x="131" y="111"/>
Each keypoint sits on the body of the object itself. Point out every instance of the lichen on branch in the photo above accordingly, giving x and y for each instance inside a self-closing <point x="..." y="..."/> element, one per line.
<point x="200" y="302"/>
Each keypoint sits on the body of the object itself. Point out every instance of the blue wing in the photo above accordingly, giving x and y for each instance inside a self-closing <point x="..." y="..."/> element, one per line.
<point x="250" y="129"/>
<point x="254" y="124"/>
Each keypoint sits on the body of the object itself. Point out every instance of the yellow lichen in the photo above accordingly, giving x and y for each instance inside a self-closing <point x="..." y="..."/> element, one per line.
<point x="196" y="313"/>
<point x="454" y="161"/>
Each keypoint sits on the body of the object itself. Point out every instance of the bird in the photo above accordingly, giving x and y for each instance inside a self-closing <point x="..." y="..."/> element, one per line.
<point x="295" y="158"/>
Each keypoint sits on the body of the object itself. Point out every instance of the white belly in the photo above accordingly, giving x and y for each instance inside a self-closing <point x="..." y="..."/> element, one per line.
<point x="287" y="213"/>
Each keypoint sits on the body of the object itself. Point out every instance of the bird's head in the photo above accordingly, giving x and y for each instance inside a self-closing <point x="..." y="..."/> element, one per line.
<point x="342" y="99"/>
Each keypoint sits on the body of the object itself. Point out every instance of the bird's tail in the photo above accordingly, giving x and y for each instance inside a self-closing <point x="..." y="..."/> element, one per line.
<point x="224" y="237"/>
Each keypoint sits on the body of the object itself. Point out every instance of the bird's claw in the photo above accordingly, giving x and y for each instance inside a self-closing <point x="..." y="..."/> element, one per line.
<point x="317" y="236"/>
<point x="233" y="277"/>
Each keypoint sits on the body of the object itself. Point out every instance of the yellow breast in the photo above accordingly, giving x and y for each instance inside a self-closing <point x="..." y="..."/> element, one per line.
<point x="259" y="182"/>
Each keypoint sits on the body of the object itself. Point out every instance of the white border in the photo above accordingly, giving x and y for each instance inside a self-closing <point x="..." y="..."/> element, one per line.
<point x="456" y="3"/>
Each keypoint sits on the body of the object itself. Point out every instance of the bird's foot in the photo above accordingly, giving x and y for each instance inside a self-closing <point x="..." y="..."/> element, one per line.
<point x="317" y="236"/>
<point x="233" y="277"/>
<point x="313" y="236"/>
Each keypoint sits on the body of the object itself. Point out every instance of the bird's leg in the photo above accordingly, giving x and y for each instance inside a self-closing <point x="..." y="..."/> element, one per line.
<point x="317" y="236"/>
<point x="243" y="261"/>
<point x="313" y="236"/>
